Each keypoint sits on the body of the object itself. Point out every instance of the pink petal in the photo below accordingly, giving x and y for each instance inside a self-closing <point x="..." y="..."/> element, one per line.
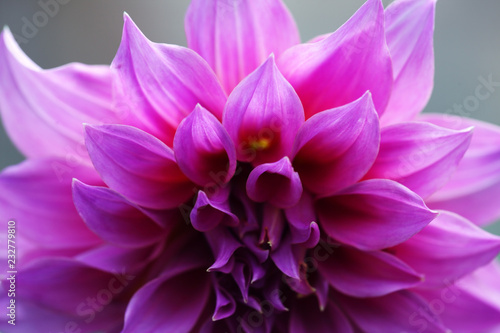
<point x="113" y="218"/>
<point x="306" y="317"/>
<point x="263" y="115"/>
<point x="171" y="304"/>
<point x="472" y="304"/>
<point x="409" y="32"/>
<point x="65" y="285"/>
<point x="37" y="194"/>
<point x="397" y="312"/>
<point x="204" y="150"/>
<point x="138" y="166"/>
<point x="208" y="214"/>
<point x="300" y="218"/>
<point x="335" y="148"/>
<point x="420" y="155"/>
<point x="43" y="110"/>
<point x="373" y="215"/>
<point x="276" y="183"/>
<point x="448" y="248"/>
<point x="367" y="274"/>
<point x="342" y="67"/>
<point x="473" y="189"/>
<point x="235" y="37"/>
<point x="158" y="85"/>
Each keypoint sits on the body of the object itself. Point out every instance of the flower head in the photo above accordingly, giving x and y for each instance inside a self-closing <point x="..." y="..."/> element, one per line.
<point x="250" y="183"/>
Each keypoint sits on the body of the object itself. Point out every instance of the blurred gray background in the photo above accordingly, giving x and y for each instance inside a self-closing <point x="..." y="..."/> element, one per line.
<point x="467" y="40"/>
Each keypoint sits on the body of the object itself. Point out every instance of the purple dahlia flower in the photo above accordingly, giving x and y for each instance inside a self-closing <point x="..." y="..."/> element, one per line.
<point x="250" y="183"/>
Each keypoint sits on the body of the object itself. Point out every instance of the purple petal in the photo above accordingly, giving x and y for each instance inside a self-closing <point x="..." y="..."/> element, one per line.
<point x="223" y="245"/>
<point x="306" y="317"/>
<point x="397" y="312"/>
<point x="235" y="37"/>
<point x="37" y="193"/>
<point x="335" y="148"/>
<point x="369" y="215"/>
<point x="43" y="110"/>
<point x="114" y="219"/>
<point x="263" y="115"/>
<point x="472" y="304"/>
<point x="204" y="150"/>
<point x="285" y="259"/>
<point x="276" y="183"/>
<point x="367" y="274"/>
<point x="168" y="305"/>
<point x="207" y="214"/>
<point x="158" y="85"/>
<point x="138" y="166"/>
<point x="409" y="31"/>
<point x="420" y="156"/>
<point x="273" y="225"/>
<point x="448" y="248"/>
<point x="65" y="285"/>
<point x="473" y="189"/>
<point x="300" y="218"/>
<point x="342" y="67"/>
<point x="114" y="259"/>
<point x="225" y="305"/>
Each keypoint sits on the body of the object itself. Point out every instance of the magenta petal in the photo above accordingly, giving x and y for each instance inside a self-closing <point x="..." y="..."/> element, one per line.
<point x="64" y="284"/>
<point x="263" y="115"/>
<point x="472" y="304"/>
<point x="409" y="31"/>
<point x="420" y="155"/>
<point x="342" y="67"/>
<point x="158" y="85"/>
<point x="367" y="274"/>
<point x="235" y="37"/>
<point x="276" y="183"/>
<point x="369" y="215"/>
<point x="300" y="218"/>
<point x="138" y="166"/>
<point x="306" y="317"/>
<point x="335" y="148"/>
<point x="448" y="248"/>
<point x="168" y="305"/>
<point x="114" y="219"/>
<point x="204" y="150"/>
<point x="208" y="214"/>
<point x="397" y="312"/>
<point x="474" y="188"/>
<point x="43" y="110"/>
<point x="37" y="193"/>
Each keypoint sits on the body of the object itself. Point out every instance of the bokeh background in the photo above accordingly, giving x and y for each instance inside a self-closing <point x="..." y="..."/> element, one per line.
<point x="467" y="40"/>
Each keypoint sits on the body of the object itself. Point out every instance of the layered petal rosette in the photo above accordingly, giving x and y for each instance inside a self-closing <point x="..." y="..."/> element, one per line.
<point x="250" y="183"/>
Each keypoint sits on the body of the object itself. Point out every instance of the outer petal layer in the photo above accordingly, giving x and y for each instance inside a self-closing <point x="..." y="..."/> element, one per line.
<point x="235" y="37"/>
<point x="409" y="32"/>
<point x="474" y="188"/>
<point x="420" y="156"/>
<point x="43" y="110"/>
<point x="370" y="214"/>
<point x="158" y="85"/>
<point x="342" y="67"/>
<point x="37" y="194"/>
<point x="335" y="148"/>
<point x="114" y="219"/>
<point x="448" y="248"/>
<point x="367" y="274"/>
<point x="138" y="166"/>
